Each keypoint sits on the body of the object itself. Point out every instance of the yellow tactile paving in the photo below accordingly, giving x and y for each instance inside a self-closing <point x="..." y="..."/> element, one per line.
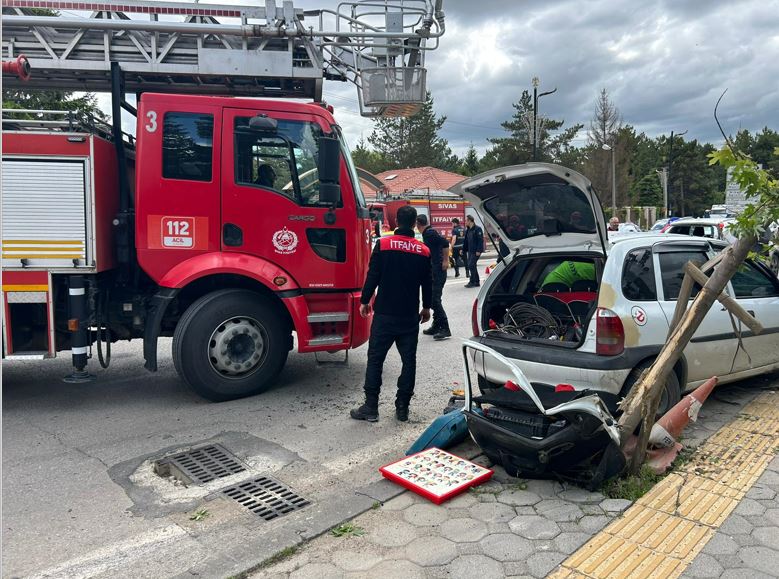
<point x="566" y="573"/>
<point x="749" y="441"/>
<point x="692" y="497"/>
<point x="734" y="467"/>
<point x="661" y="534"/>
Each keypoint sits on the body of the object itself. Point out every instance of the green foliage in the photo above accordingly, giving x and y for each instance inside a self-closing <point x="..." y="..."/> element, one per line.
<point x="272" y="560"/>
<point x="648" y="191"/>
<point x="347" y="530"/>
<point x="760" y="187"/>
<point x="401" y="143"/>
<point x="199" y="515"/>
<point x="554" y="142"/>
<point x="631" y="487"/>
<point x="368" y="159"/>
<point x="470" y="163"/>
<point x="57" y="100"/>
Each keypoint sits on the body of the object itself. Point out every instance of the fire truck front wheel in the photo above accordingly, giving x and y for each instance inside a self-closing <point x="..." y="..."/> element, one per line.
<point x="230" y="344"/>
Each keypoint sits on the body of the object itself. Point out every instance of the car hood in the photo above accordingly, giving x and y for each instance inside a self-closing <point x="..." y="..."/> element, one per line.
<point x="538" y="208"/>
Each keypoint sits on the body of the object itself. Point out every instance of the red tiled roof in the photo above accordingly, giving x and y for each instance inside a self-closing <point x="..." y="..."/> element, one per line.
<point x="419" y="178"/>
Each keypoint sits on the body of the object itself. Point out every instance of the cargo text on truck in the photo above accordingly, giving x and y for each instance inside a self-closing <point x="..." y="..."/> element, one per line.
<point x="227" y="223"/>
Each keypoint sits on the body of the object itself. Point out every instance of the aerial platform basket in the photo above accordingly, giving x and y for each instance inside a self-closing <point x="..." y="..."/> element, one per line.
<point x="396" y="91"/>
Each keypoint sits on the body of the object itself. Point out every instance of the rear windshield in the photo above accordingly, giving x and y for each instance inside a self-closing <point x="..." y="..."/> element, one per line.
<point x="543" y="209"/>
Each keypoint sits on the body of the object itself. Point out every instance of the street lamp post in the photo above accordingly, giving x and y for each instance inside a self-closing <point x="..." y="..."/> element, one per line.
<point x="613" y="178"/>
<point x="536" y="130"/>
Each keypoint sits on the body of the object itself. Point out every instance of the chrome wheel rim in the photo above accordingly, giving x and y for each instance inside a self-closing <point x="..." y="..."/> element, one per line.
<point x="237" y="347"/>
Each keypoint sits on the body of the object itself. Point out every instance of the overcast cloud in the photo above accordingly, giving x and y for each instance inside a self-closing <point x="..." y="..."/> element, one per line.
<point x="664" y="65"/>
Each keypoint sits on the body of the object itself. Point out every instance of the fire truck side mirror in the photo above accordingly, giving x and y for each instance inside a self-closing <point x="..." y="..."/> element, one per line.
<point x="329" y="170"/>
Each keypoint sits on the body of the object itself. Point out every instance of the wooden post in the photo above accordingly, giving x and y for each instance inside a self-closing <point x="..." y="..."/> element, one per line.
<point x="641" y="402"/>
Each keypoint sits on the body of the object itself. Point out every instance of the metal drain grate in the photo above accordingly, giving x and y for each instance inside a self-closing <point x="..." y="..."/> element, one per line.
<point x="200" y="465"/>
<point x="266" y="497"/>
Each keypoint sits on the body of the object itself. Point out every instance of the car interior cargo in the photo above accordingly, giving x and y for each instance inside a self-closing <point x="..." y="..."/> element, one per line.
<point x="549" y="299"/>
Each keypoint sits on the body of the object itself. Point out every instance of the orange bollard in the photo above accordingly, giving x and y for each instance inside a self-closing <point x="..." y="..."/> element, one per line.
<point x="672" y="423"/>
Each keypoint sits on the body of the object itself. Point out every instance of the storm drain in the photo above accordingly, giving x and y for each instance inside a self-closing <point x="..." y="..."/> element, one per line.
<point x="266" y="497"/>
<point x="200" y="465"/>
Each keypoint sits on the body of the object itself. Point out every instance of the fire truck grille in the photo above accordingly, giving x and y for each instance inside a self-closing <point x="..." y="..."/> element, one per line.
<point x="200" y="465"/>
<point x="266" y="497"/>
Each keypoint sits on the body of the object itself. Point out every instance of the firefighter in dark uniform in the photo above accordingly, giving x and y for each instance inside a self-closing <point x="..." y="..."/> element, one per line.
<point x="439" y="261"/>
<point x="399" y="267"/>
<point x="473" y="248"/>
<point x="458" y="237"/>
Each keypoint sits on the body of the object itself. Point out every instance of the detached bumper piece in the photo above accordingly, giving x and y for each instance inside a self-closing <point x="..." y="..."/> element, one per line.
<point x="534" y="431"/>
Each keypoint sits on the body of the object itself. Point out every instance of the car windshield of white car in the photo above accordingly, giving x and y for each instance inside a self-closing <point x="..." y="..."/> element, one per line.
<point x="542" y="209"/>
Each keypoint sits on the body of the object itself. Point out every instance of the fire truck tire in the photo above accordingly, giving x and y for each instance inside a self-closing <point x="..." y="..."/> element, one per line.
<point x="230" y="344"/>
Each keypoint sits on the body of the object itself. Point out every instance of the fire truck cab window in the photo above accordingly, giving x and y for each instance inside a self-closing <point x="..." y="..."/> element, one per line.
<point x="283" y="161"/>
<point x="187" y="146"/>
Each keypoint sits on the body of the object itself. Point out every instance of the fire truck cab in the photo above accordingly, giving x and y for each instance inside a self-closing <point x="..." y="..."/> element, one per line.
<point x="249" y="225"/>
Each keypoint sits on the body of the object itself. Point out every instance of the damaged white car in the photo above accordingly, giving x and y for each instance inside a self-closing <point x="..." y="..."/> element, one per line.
<point x="569" y="307"/>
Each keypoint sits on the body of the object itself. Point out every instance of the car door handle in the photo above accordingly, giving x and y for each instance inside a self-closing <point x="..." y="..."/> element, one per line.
<point x="232" y="235"/>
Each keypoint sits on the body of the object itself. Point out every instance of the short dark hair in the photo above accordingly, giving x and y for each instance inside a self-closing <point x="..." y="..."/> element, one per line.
<point x="470" y="218"/>
<point x="407" y="215"/>
<point x="422" y="219"/>
<point x="456" y="221"/>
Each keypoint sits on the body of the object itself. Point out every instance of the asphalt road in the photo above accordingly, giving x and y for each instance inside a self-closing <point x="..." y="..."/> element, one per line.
<point x="78" y="494"/>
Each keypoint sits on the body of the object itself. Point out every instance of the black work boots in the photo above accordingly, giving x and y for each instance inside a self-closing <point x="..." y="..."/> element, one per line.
<point x="367" y="412"/>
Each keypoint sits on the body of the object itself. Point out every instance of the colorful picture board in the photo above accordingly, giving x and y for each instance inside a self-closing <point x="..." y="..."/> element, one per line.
<point x="436" y="474"/>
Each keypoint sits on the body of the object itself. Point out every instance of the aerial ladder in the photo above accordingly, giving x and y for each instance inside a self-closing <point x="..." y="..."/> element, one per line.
<point x="271" y="50"/>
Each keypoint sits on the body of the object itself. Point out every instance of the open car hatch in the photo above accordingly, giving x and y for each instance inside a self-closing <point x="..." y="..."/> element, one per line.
<point x="538" y="208"/>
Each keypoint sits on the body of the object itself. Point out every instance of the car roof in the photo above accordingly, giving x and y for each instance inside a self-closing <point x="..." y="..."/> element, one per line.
<point x="631" y="241"/>
<point x="699" y="221"/>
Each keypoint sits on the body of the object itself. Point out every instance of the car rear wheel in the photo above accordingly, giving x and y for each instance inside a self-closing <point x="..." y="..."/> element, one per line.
<point x="671" y="393"/>
<point x="230" y="344"/>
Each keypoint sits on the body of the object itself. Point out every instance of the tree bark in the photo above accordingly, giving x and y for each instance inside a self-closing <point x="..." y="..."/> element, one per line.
<point x="642" y="400"/>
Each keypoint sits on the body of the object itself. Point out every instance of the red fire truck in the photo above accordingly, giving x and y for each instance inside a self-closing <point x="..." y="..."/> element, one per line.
<point x="230" y="224"/>
<point x="440" y="211"/>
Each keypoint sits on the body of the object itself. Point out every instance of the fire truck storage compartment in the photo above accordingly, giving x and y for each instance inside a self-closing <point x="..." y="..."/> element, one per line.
<point x="59" y="197"/>
<point x="525" y="304"/>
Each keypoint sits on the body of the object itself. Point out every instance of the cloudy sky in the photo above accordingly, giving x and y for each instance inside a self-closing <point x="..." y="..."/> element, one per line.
<point x="664" y="64"/>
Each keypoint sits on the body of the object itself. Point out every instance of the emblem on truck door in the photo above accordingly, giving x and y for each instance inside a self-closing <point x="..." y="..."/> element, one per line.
<point x="285" y="241"/>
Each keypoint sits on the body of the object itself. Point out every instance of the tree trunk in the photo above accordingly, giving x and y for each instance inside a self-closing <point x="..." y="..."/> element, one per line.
<point x="642" y="401"/>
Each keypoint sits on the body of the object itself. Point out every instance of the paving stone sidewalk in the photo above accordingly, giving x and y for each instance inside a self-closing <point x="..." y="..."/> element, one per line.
<point x="513" y="528"/>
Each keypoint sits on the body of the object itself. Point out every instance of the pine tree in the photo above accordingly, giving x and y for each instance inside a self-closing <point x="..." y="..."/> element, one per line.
<point x="413" y="141"/>
<point x="368" y="159"/>
<point x="470" y="163"/>
<point x="518" y="146"/>
<point x="606" y="122"/>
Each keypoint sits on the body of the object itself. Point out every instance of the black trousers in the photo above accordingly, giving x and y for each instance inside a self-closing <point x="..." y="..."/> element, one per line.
<point x="473" y="270"/>
<point x="440" y="320"/>
<point x="387" y="330"/>
<point x="457" y="256"/>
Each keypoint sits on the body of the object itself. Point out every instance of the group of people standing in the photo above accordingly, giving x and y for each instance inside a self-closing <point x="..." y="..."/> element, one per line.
<point x="399" y="268"/>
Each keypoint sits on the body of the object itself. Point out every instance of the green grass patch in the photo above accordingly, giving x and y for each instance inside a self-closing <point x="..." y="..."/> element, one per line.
<point x="376" y="505"/>
<point x="631" y="487"/>
<point x="348" y="530"/>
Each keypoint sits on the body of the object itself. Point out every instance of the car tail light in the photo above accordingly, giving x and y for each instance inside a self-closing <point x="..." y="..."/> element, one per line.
<point x="474" y="320"/>
<point x="609" y="333"/>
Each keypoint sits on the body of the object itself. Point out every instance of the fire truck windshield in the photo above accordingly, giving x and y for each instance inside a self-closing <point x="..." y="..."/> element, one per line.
<point x="284" y="161"/>
<point x="358" y="194"/>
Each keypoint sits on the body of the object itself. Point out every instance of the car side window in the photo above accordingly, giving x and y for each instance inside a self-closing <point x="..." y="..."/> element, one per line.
<point x="751" y="282"/>
<point x="672" y="271"/>
<point x="638" y="276"/>
<point x="681" y="230"/>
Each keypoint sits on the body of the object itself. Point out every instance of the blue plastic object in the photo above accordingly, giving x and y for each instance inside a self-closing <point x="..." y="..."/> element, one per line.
<point x="445" y="431"/>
